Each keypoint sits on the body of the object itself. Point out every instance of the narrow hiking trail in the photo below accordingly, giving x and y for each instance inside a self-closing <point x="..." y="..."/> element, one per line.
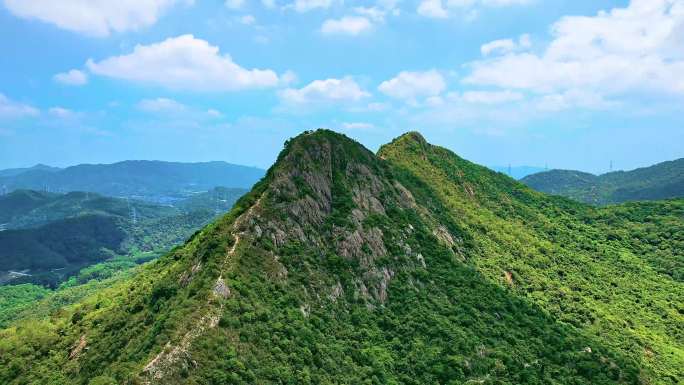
<point x="163" y="363"/>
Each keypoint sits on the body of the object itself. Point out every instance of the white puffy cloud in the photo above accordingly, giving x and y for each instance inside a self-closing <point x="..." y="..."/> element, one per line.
<point x="372" y="13"/>
<point x="491" y="97"/>
<point x="72" y="78"/>
<point x="357" y="126"/>
<point x="325" y="91"/>
<point x="379" y="11"/>
<point x="348" y="25"/>
<point x="412" y="85"/>
<point x="214" y="113"/>
<point x="62" y="113"/>
<point x="234" y="4"/>
<point x="637" y="48"/>
<point x="439" y="9"/>
<point x="433" y="9"/>
<point x="247" y="20"/>
<point x="308" y="5"/>
<point x="504" y="46"/>
<point x="160" y="105"/>
<point x="92" y="17"/>
<point x="573" y="99"/>
<point x="487" y="3"/>
<point x="183" y="62"/>
<point x="268" y="4"/>
<point x="12" y="109"/>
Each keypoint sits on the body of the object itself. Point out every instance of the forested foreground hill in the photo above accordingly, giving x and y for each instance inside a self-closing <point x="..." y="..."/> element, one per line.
<point x="661" y="181"/>
<point x="411" y="266"/>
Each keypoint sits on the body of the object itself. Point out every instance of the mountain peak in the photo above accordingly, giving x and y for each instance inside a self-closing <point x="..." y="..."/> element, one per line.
<point x="339" y="266"/>
<point x="410" y="142"/>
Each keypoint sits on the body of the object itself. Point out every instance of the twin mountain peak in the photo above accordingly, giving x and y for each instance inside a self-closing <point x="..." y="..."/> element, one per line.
<point x="409" y="266"/>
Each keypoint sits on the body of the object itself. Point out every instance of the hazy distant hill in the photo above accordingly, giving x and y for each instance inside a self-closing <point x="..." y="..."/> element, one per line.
<point x="218" y="199"/>
<point x="661" y="181"/>
<point x="518" y="172"/>
<point x="149" y="180"/>
<point x="17" y="171"/>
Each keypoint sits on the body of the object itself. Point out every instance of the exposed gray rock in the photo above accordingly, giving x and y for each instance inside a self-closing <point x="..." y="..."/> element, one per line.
<point x="221" y="289"/>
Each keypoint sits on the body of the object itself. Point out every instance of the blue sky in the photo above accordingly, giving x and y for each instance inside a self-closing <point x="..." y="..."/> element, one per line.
<point x="571" y="84"/>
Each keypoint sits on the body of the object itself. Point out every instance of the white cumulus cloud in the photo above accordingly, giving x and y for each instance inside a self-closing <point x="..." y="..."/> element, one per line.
<point x="491" y="97"/>
<point x="92" y="17"/>
<point x="160" y="105"/>
<point x="348" y="25"/>
<point x="234" y="4"/>
<point x="308" y="5"/>
<point x="636" y="48"/>
<point x="432" y="8"/>
<point x="504" y="46"/>
<point x="247" y="20"/>
<point x="325" y="91"/>
<point x="439" y="9"/>
<point x="412" y="85"/>
<point x="12" y="109"/>
<point x="487" y="3"/>
<point x="183" y="62"/>
<point x="62" y="113"/>
<point x="357" y="126"/>
<point x="72" y="78"/>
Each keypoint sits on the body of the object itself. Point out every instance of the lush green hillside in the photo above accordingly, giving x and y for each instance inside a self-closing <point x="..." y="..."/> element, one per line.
<point x="661" y="181"/>
<point x="52" y="236"/>
<point x="149" y="180"/>
<point x="21" y="202"/>
<point x="220" y="199"/>
<point x="413" y="266"/>
<point x="28" y="208"/>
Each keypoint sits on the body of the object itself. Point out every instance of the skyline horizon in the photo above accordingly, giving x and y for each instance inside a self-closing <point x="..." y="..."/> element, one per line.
<point x="496" y="167"/>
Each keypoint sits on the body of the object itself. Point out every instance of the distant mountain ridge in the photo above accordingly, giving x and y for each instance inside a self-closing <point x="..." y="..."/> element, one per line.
<point x="518" y="172"/>
<point x="149" y="180"/>
<point x="17" y="171"/>
<point x="661" y="181"/>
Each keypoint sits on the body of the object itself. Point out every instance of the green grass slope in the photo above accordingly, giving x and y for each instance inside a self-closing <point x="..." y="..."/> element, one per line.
<point x="410" y="267"/>
<point x="661" y="181"/>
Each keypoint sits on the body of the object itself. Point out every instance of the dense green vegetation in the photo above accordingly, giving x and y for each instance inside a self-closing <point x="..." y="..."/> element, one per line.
<point x="150" y="180"/>
<point x="22" y="209"/>
<point x="220" y="199"/>
<point x="31" y="301"/>
<point x="53" y="236"/>
<point x="661" y="181"/>
<point x="413" y="266"/>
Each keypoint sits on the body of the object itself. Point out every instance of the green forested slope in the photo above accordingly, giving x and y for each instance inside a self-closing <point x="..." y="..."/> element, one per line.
<point x="22" y="209"/>
<point x="661" y="181"/>
<point x="54" y="235"/>
<point x="413" y="266"/>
